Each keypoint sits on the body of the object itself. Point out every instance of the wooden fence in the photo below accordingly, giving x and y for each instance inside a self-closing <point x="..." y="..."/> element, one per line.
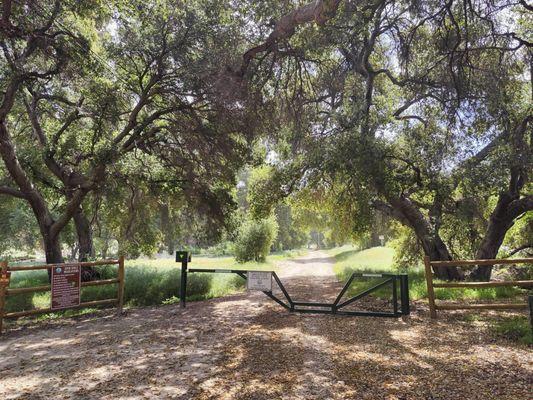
<point x="6" y="291"/>
<point x="433" y="307"/>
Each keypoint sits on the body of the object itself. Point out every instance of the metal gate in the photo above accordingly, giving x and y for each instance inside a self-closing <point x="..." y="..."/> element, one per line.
<point x="398" y="283"/>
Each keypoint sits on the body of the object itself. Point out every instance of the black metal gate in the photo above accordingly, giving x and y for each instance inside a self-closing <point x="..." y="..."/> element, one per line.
<point x="398" y="282"/>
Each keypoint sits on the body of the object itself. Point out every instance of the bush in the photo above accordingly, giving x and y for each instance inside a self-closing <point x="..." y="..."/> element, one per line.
<point x="255" y="239"/>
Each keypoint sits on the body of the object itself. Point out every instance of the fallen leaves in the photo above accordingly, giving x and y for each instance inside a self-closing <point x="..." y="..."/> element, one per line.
<point x="247" y="347"/>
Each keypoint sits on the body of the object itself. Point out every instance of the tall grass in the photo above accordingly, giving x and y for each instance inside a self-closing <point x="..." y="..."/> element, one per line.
<point x="147" y="282"/>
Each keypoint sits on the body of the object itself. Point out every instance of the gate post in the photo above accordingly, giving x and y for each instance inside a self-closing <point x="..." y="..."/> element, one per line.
<point x="530" y="303"/>
<point x="121" y="284"/>
<point x="184" y="257"/>
<point x="4" y="283"/>
<point x="404" y="294"/>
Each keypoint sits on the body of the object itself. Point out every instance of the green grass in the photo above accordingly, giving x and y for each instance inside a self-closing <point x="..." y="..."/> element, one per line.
<point x="516" y="329"/>
<point x="380" y="259"/>
<point x="373" y="260"/>
<point x="148" y="282"/>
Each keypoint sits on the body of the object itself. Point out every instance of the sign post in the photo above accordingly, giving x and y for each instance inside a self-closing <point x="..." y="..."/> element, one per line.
<point x="66" y="284"/>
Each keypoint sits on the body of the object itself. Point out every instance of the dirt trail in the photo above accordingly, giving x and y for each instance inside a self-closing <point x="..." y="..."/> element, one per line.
<point x="247" y="347"/>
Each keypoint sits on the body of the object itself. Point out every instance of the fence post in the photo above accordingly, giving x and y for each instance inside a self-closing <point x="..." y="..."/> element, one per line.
<point x="429" y="283"/>
<point x="4" y="283"/>
<point x="184" y="257"/>
<point x="121" y="283"/>
<point x="395" y="295"/>
<point x="404" y="294"/>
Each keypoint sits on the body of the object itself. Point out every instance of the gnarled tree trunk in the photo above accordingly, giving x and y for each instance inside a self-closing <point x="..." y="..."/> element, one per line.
<point x="408" y="214"/>
<point x="85" y="244"/>
<point x="85" y="235"/>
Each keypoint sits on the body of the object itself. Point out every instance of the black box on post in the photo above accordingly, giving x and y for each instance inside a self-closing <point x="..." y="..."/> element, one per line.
<point x="182" y="256"/>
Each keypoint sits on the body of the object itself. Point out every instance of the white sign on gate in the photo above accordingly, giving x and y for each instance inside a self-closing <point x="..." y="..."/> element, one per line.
<point x="259" y="280"/>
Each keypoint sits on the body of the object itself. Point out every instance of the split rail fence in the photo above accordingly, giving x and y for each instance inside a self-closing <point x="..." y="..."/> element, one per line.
<point x="433" y="306"/>
<point x="6" y="291"/>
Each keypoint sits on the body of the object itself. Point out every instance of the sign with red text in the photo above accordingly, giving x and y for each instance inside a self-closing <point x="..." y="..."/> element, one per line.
<point x="66" y="283"/>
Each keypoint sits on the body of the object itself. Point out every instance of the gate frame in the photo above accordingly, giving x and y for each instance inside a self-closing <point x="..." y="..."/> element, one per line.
<point x="398" y="281"/>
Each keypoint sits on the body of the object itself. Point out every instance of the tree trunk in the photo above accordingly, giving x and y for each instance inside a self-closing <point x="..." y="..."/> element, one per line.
<point x="408" y="213"/>
<point x="85" y="235"/>
<point x="52" y="248"/>
<point x="489" y="249"/>
<point x="105" y="248"/>
<point x="85" y="242"/>
<point x="167" y="228"/>
<point x="436" y="249"/>
<point x="374" y="238"/>
<point x="74" y="251"/>
<point x="509" y="207"/>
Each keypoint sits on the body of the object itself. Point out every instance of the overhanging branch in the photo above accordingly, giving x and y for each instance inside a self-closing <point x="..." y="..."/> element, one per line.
<point x="12" y="192"/>
<point x="318" y="11"/>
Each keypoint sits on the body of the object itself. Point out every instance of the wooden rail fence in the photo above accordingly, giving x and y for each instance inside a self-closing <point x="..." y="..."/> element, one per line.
<point x="433" y="306"/>
<point x="6" y="291"/>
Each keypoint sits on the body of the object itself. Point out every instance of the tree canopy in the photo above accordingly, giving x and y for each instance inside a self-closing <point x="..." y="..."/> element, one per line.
<point x="128" y="116"/>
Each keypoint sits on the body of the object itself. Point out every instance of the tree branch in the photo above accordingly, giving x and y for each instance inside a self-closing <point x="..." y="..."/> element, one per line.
<point x="318" y="11"/>
<point x="12" y="192"/>
<point x="523" y="247"/>
<point x="518" y="207"/>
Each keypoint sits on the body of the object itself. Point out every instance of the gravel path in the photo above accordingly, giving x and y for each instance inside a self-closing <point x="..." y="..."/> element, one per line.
<point x="247" y="347"/>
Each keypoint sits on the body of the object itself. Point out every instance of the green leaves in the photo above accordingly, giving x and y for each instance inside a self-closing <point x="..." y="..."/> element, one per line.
<point x="255" y="239"/>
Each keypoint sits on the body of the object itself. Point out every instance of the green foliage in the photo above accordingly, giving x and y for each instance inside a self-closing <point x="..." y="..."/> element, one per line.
<point x="18" y="229"/>
<point x="289" y="236"/>
<point x="407" y="251"/>
<point x="255" y="239"/>
<point x="223" y="248"/>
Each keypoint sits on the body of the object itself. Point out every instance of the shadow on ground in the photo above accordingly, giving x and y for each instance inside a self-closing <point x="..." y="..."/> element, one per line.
<point x="247" y="347"/>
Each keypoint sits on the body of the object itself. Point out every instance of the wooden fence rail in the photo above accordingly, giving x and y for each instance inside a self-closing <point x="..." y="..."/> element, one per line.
<point x="6" y="291"/>
<point x="433" y="306"/>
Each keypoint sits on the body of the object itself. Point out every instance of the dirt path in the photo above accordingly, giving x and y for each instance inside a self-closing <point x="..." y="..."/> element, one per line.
<point x="248" y="347"/>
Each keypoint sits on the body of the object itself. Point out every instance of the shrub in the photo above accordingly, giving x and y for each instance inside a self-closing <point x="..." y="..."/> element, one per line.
<point x="255" y="239"/>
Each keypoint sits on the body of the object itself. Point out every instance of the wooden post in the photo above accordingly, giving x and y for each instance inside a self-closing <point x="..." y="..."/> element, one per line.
<point x="4" y="283"/>
<point x="429" y="283"/>
<point x="121" y="282"/>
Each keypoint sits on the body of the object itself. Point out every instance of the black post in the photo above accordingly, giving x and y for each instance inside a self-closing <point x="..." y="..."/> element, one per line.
<point x="394" y="296"/>
<point x="404" y="294"/>
<point x="184" y="257"/>
<point x="530" y="302"/>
